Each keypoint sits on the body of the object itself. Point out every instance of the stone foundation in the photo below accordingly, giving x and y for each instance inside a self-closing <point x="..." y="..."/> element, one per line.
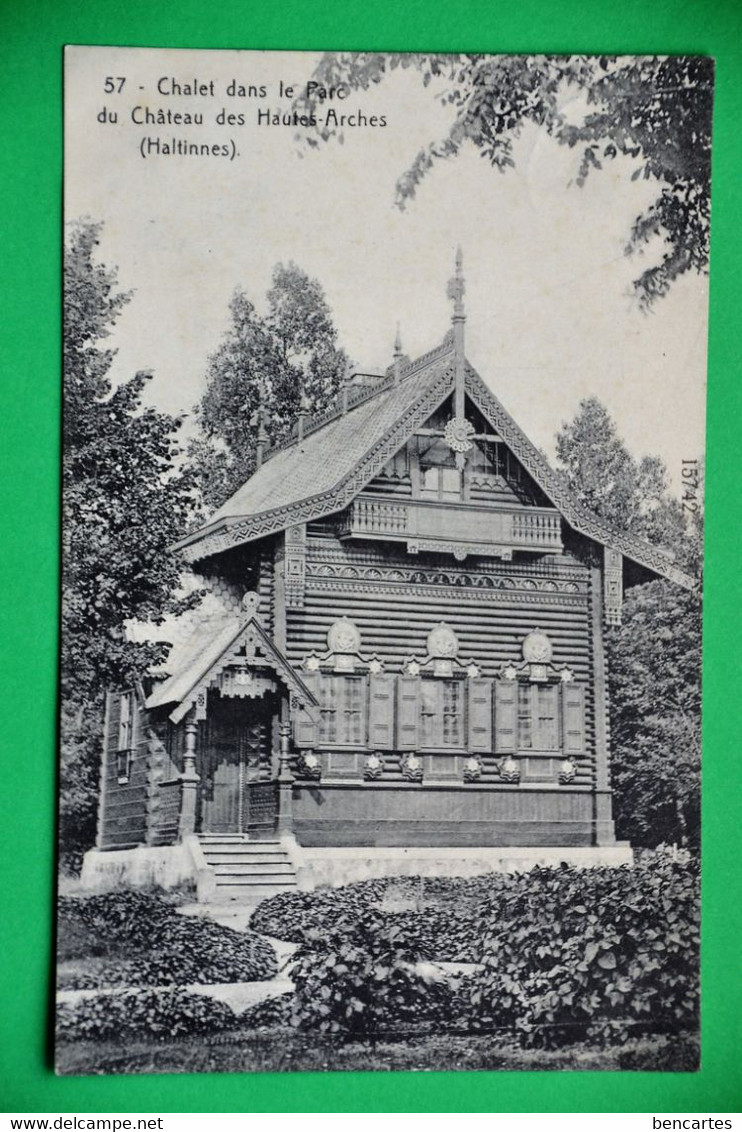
<point x="167" y="866"/>
<point x="162" y="865"/>
<point x="334" y="867"/>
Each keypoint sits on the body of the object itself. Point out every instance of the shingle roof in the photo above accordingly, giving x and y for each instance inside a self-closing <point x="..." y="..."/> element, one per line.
<point x="197" y="660"/>
<point x="324" y="471"/>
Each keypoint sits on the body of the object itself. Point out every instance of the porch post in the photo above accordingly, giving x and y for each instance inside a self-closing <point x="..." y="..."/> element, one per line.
<point x="189" y="780"/>
<point x="285" y="783"/>
<point x="604" y="828"/>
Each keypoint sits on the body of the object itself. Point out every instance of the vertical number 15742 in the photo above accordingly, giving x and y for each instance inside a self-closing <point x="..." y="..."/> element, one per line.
<point x="691" y="484"/>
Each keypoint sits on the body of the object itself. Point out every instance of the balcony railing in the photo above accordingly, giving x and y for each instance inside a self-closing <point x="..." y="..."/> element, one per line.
<point x="471" y="527"/>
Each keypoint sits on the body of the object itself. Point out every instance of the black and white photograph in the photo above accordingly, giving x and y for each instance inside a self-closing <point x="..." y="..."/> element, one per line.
<point x="383" y="466"/>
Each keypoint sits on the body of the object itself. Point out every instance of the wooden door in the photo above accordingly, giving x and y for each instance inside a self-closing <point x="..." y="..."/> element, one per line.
<point x="236" y="754"/>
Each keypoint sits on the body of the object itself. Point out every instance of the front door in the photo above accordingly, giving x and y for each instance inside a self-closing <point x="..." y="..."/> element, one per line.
<point x="235" y="759"/>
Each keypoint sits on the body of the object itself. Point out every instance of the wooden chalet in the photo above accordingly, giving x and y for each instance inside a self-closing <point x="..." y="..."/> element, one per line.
<point x="403" y="658"/>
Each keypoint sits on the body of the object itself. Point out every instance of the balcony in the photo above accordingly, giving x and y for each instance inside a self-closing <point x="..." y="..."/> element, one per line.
<point x="457" y="528"/>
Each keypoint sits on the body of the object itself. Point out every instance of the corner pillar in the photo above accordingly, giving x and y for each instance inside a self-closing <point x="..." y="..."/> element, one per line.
<point x="605" y="833"/>
<point x="189" y="781"/>
<point x="285" y="784"/>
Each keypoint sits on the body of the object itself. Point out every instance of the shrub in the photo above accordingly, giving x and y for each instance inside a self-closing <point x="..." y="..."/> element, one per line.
<point x="158" y="945"/>
<point x="110" y="921"/>
<point x="361" y="978"/>
<point x="442" y="919"/>
<point x="566" y="954"/>
<point x="599" y="954"/>
<point x="159" y="1014"/>
<point x="278" y="1011"/>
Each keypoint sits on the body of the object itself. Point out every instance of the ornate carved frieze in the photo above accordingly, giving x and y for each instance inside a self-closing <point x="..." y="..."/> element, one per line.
<point x="321" y="549"/>
<point x="576" y="583"/>
<point x="612" y="586"/>
<point x="476" y="596"/>
<point x="295" y="556"/>
<point x="460" y="550"/>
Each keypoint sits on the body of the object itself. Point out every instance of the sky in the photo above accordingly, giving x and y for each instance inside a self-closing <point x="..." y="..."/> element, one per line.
<point x="551" y="315"/>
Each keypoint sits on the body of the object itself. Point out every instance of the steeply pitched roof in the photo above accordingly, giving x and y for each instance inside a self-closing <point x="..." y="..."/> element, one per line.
<point x="322" y="473"/>
<point x="198" y="660"/>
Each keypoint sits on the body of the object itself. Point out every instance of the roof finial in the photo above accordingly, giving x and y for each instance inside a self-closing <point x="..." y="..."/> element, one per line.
<point x="457" y="287"/>
<point x="397" y="356"/>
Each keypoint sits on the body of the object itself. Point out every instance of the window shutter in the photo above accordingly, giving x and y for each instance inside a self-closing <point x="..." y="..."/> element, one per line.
<point x="381" y="712"/>
<point x="506" y="692"/>
<point x="573" y="718"/>
<point x="408" y="703"/>
<point x="305" y="718"/>
<point x="480" y="714"/>
<point x="112" y="723"/>
<point x="125" y="720"/>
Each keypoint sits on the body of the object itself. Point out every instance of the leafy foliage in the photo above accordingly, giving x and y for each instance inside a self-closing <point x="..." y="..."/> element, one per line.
<point x="655" y="656"/>
<point x="597" y="954"/>
<point x="563" y="954"/>
<point x="274" y="365"/>
<point x="125" y="502"/>
<point x="359" y="976"/>
<point x="655" y="665"/>
<point x="654" y="111"/>
<point x="132" y="1013"/>
<point x="438" y="923"/>
<point x="156" y="945"/>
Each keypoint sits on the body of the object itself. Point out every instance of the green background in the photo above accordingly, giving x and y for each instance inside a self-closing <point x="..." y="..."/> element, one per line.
<point x="32" y="35"/>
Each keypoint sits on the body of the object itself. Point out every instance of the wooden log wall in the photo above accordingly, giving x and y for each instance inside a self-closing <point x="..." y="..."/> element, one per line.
<point x="123" y="817"/>
<point x="395" y="599"/>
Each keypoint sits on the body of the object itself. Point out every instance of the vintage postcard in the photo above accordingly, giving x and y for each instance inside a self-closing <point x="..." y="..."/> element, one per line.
<point x="384" y="386"/>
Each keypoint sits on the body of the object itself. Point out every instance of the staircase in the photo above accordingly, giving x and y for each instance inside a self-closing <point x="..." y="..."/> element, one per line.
<point x="247" y="871"/>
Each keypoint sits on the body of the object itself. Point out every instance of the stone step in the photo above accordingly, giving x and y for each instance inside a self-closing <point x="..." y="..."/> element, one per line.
<point x="247" y="871"/>
<point x="239" y="838"/>
<point x="250" y="867"/>
<point x="248" y="896"/>
<point x="248" y="882"/>
<point x="247" y="858"/>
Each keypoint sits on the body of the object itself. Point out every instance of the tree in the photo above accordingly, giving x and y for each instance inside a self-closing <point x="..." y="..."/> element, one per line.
<point x="656" y="715"/>
<point x="123" y="505"/>
<point x="655" y="656"/>
<point x="269" y="365"/>
<point x="654" y="110"/>
<point x="602" y="474"/>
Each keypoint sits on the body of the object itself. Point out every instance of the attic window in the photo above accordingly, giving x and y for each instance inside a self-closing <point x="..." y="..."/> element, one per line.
<point x="440" y="478"/>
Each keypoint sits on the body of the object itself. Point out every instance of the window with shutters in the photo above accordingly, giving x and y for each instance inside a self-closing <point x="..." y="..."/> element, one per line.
<point x="538" y="717"/>
<point x="442" y="713"/>
<point x="342" y="714"/>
